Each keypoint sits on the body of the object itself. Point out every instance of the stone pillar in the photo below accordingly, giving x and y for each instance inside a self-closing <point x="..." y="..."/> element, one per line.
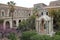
<point x="10" y="24"/>
<point x="48" y="27"/>
<point x="4" y="25"/>
<point x="17" y="23"/>
<point x="37" y="24"/>
<point x="52" y="24"/>
<point x="8" y="13"/>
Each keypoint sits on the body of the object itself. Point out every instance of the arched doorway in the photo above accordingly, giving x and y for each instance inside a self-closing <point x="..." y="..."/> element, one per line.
<point x="14" y="23"/>
<point x="7" y="25"/>
<point x="42" y="27"/>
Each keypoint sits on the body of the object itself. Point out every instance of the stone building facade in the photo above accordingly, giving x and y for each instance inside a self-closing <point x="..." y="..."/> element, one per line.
<point x="20" y="13"/>
<point x="44" y="22"/>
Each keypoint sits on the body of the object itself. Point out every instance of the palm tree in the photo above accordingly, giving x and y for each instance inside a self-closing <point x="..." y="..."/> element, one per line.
<point x="11" y="5"/>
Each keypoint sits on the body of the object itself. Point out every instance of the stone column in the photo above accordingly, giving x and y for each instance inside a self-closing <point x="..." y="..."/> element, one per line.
<point x="37" y="26"/>
<point x="4" y="25"/>
<point x="17" y="23"/>
<point x="48" y="27"/>
<point x="10" y="24"/>
<point x="52" y="24"/>
<point x="8" y="13"/>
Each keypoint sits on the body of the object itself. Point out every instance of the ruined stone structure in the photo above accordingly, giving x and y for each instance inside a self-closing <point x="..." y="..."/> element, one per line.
<point x="20" y="14"/>
<point x="44" y="23"/>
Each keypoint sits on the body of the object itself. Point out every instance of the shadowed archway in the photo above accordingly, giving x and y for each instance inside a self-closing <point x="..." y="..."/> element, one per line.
<point x="7" y="25"/>
<point x="14" y="23"/>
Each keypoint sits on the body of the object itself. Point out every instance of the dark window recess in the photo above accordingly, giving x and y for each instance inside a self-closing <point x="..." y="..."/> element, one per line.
<point x="2" y="13"/>
<point x="14" y="23"/>
<point x="29" y="14"/>
<point x="10" y="14"/>
<point x="41" y="13"/>
<point x="44" y="26"/>
<point x="36" y="14"/>
<point x="19" y="21"/>
<point x="46" y="13"/>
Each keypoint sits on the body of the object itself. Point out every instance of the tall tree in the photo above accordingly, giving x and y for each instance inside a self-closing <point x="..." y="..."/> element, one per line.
<point x="11" y="5"/>
<point x="30" y="22"/>
<point x="23" y="26"/>
<point x="56" y="15"/>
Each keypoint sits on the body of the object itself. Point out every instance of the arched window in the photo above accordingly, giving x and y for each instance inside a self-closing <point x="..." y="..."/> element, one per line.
<point x="29" y="14"/>
<point x="41" y="13"/>
<point x="14" y="23"/>
<point x="2" y="12"/>
<point x="7" y="25"/>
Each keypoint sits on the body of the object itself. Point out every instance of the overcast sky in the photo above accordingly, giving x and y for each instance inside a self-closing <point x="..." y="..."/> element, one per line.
<point x="26" y="3"/>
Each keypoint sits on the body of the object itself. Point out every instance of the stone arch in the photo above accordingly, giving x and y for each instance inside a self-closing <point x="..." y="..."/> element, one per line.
<point x="14" y="23"/>
<point x="42" y="24"/>
<point x="7" y="24"/>
<point x="2" y="12"/>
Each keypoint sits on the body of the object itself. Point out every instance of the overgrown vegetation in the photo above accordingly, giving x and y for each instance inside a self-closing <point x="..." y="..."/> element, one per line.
<point x="56" y="18"/>
<point x="30" y="35"/>
<point x="12" y="36"/>
<point x="27" y="35"/>
<point x="28" y="24"/>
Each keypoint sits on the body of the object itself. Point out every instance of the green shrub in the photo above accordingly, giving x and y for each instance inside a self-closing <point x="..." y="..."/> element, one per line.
<point x="27" y="35"/>
<point x="56" y="37"/>
<point x="32" y="35"/>
<point x="12" y="36"/>
<point x="57" y="33"/>
<point x="47" y="37"/>
<point x="36" y="37"/>
<point x="40" y="37"/>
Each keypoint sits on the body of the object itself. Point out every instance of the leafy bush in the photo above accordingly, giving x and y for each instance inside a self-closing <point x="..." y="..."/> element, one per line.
<point x="57" y="33"/>
<point x="32" y="35"/>
<point x="36" y="37"/>
<point x="56" y="37"/>
<point x="28" y="24"/>
<point x="12" y="36"/>
<point x="27" y="35"/>
<point x="40" y="37"/>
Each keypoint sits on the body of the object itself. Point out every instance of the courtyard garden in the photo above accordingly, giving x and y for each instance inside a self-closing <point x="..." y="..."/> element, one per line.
<point x="27" y="30"/>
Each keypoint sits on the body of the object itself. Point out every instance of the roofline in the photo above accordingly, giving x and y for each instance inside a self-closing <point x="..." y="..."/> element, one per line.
<point x="15" y="6"/>
<point x="52" y="7"/>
